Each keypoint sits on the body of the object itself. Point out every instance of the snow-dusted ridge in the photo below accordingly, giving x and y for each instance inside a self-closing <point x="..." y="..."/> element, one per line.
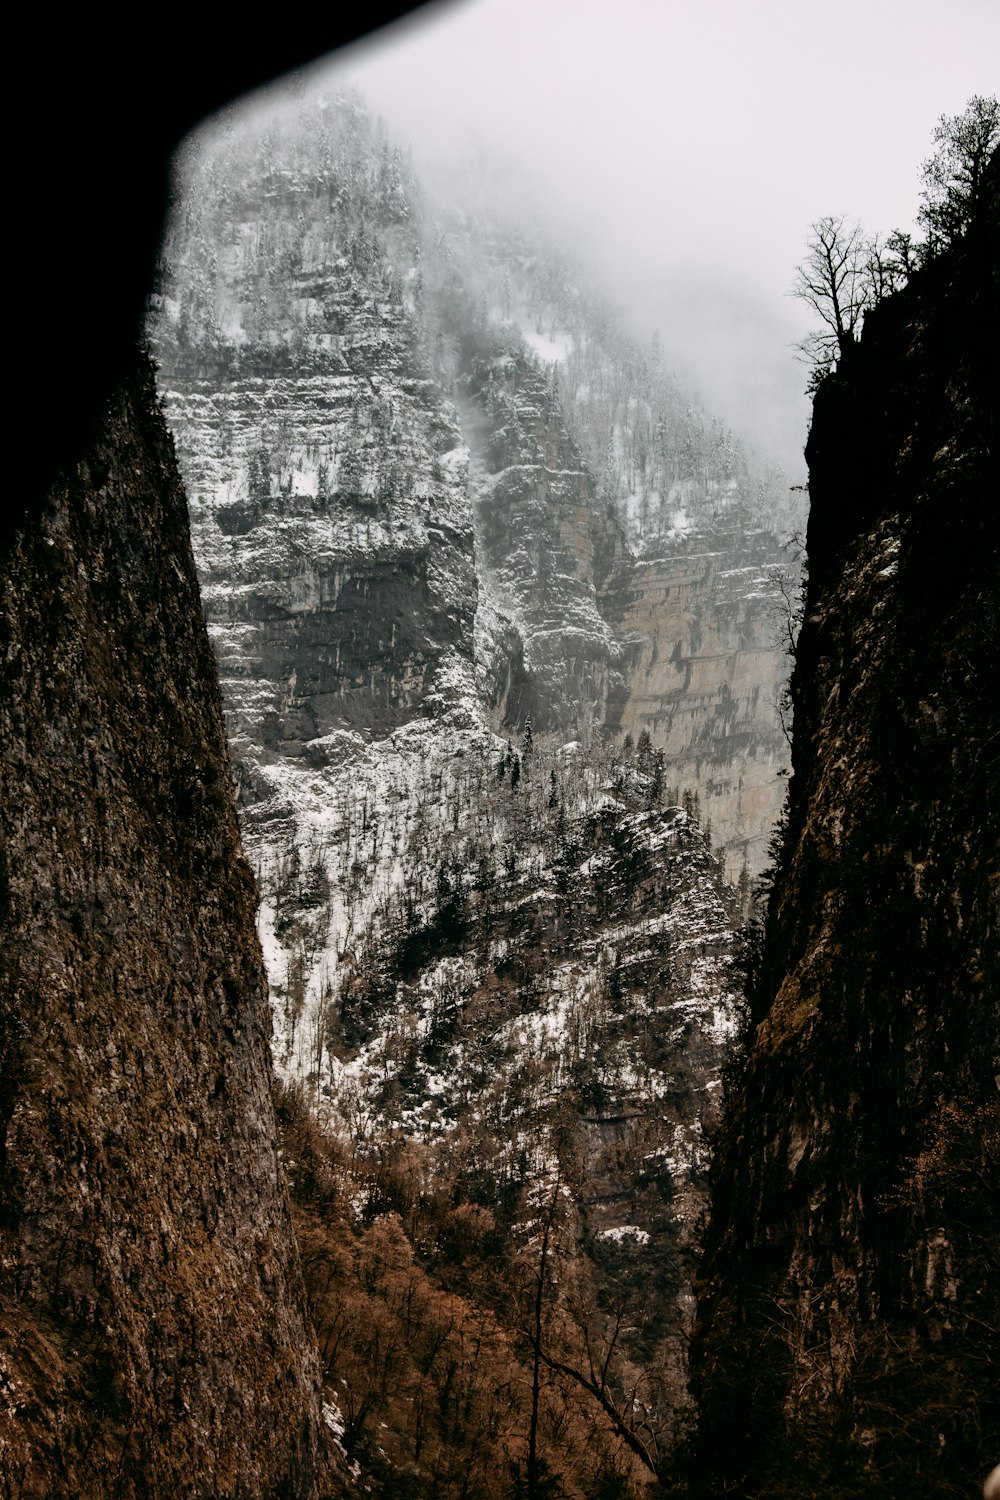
<point x="474" y="932"/>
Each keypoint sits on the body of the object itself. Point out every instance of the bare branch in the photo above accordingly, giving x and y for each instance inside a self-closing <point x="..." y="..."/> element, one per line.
<point x="601" y="1394"/>
<point x="834" y="281"/>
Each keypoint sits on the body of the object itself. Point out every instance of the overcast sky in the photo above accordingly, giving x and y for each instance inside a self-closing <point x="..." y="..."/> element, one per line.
<point x="685" y="146"/>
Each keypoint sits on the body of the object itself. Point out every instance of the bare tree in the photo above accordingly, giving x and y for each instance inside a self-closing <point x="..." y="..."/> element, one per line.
<point x="834" y="281"/>
<point x="845" y="274"/>
<point x="888" y="263"/>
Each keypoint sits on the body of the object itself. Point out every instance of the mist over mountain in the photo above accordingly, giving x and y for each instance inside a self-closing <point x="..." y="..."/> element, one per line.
<point x="496" y="609"/>
<point x="682" y="151"/>
<point x="514" y="1154"/>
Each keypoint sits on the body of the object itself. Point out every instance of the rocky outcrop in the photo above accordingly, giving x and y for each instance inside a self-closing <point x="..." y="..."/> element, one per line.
<point x="155" y="1340"/>
<point x="330" y="514"/>
<point x="849" y="1314"/>
<point x="706" y="678"/>
<point x="326" y="472"/>
<point x="628" y="545"/>
<point x="547" y="551"/>
<point x="683" y="644"/>
<point x="349" y="522"/>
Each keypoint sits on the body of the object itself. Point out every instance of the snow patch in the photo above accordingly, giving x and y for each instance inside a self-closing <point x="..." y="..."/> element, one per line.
<point x="624" y="1233"/>
<point x="553" y="349"/>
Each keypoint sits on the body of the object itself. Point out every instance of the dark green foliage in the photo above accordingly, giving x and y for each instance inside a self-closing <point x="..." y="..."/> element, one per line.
<point x="450" y="921"/>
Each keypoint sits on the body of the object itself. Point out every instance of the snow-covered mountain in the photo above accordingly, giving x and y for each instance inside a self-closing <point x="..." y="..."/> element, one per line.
<point x="640" y="544"/>
<point x="536" y="1038"/>
<point x="476" y="699"/>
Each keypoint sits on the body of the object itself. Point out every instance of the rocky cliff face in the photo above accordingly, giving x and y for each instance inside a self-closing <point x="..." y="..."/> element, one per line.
<point x="850" y="1311"/>
<point x="155" y="1337"/>
<point x="330" y="519"/>
<point x="549" y="555"/>
<point x="351" y="520"/>
<point x="681" y="642"/>
<point x="706" y="679"/>
<point x="634" y="545"/>
<point x="531" y="1031"/>
<point x="505" y="965"/>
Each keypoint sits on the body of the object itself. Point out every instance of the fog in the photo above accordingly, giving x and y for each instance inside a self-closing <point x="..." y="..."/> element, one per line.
<point x="683" y="147"/>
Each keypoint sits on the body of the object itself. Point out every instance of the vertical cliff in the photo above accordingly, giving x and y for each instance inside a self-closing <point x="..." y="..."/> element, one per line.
<point x="706" y="677"/>
<point x="850" y="1311"/>
<point x="330" y="517"/>
<point x="549" y="552"/>
<point x="633" y="543"/>
<point x="501" y="974"/>
<point x="681" y="642"/>
<point x="154" y="1334"/>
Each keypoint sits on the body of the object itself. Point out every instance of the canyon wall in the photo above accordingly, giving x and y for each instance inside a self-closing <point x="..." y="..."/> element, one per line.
<point x="155" y="1339"/>
<point x="548" y="554"/>
<point x="500" y="970"/>
<point x="706" y="679"/>
<point x="635" y="556"/>
<point x="331" y="522"/>
<point x="849" y="1310"/>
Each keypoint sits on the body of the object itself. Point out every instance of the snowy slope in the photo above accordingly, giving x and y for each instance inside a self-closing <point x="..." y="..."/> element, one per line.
<point x="479" y="948"/>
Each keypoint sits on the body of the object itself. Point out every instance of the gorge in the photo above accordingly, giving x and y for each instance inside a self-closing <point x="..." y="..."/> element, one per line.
<point x="850" y="1310"/>
<point x="487" y="665"/>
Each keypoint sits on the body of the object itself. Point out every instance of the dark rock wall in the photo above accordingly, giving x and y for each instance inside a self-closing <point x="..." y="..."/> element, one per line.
<point x="154" y="1335"/>
<point x="850" y="1308"/>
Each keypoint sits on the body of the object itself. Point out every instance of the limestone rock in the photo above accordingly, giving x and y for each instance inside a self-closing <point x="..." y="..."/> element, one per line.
<point x="155" y="1337"/>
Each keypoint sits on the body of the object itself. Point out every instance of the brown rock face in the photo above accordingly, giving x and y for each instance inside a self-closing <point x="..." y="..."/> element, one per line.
<point x="849" y="1315"/>
<point x="705" y="678"/>
<point x="154" y="1336"/>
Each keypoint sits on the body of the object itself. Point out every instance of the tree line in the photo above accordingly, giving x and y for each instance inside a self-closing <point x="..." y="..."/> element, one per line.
<point x="846" y="272"/>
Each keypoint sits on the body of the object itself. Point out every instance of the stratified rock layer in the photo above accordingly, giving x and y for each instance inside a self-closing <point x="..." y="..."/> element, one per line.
<point x="155" y="1341"/>
<point x="548" y="552"/>
<point x="329" y="512"/>
<point x="628" y="553"/>
<point x="682" y="645"/>
<point x="706" y="677"/>
<point x="850" y="1312"/>
<point x="312" y="329"/>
